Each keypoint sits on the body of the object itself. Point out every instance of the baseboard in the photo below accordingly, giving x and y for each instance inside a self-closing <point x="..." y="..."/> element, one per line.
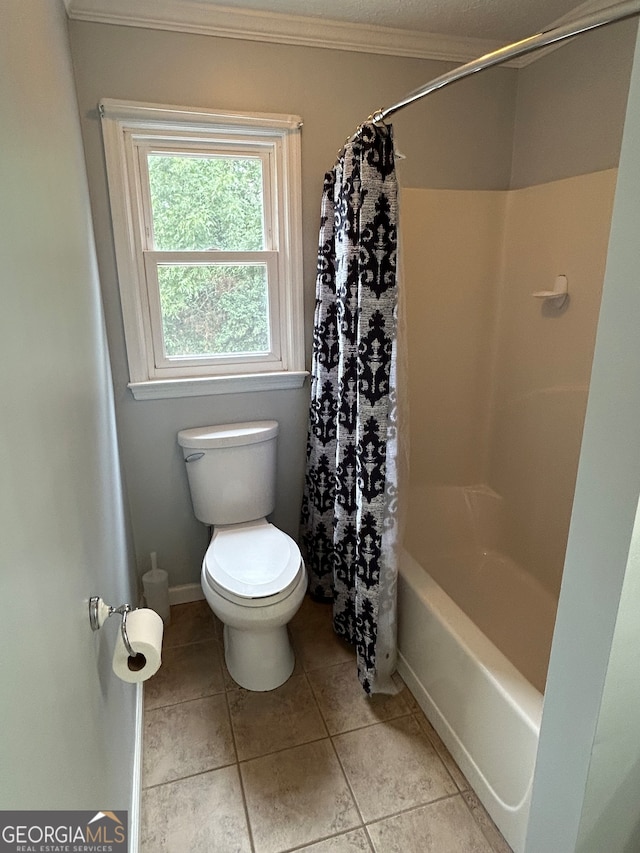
<point x="177" y="595"/>
<point x="184" y="593"/>
<point x="136" y="791"/>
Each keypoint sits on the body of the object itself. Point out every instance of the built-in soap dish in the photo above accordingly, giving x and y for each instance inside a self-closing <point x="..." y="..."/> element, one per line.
<point x="558" y="296"/>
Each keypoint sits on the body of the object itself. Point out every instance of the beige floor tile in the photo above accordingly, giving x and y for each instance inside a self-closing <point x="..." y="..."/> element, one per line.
<point x="311" y="614"/>
<point x="442" y="827"/>
<point x="407" y="695"/>
<point x="296" y="797"/>
<point x="187" y="672"/>
<point x="322" y="649"/>
<point x="196" y="815"/>
<point x="314" y="641"/>
<point x="345" y="705"/>
<point x="350" y="842"/>
<point x="445" y="756"/>
<point x="296" y="791"/>
<point x="189" y="624"/>
<point x="277" y="719"/>
<point x="488" y="827"/>
<point x="392" y="766"/>
<point x="185" y="739"/>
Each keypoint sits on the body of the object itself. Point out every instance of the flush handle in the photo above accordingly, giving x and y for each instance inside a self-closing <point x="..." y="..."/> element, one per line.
<point x="193" y="457"/>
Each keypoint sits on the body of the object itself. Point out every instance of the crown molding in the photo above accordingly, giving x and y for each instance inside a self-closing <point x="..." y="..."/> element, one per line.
<point x="192" y="16"/>
<point x="205" y="18"/>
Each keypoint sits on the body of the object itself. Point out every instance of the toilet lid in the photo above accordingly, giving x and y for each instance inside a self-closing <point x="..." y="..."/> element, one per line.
<point x="252" y="560"/>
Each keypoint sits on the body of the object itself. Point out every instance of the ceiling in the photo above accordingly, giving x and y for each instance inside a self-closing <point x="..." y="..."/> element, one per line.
<point x="501" y="20"/>
<point x="435" y="29"/>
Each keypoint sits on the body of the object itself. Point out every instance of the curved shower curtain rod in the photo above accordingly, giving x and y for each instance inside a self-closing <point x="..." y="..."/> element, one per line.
<point x="611" y="15"/>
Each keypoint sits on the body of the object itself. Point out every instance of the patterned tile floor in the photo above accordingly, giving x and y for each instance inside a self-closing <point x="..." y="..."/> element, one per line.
<point x="313" y="765"/>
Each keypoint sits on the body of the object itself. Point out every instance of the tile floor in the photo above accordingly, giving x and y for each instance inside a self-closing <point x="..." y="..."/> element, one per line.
<point x="313" y="765"/>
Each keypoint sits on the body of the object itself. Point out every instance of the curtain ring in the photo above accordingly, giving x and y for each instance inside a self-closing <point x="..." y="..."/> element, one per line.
<point x="351" y="138"/>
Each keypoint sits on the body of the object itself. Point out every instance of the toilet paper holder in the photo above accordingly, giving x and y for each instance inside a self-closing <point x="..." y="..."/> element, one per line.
<point x="99" y="612"/>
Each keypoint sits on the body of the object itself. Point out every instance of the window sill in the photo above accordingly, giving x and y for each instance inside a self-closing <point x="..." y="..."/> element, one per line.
<point x="161" y="389"/>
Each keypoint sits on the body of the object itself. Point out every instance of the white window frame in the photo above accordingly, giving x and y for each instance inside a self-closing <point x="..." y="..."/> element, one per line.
<point x="131" y="129"/>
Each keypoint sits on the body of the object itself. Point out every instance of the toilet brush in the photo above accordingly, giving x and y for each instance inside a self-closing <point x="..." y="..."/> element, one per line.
<point x="156" y="590"/>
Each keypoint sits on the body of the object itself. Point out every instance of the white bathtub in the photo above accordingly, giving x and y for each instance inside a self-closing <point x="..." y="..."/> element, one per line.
<point x="486" y="712"/>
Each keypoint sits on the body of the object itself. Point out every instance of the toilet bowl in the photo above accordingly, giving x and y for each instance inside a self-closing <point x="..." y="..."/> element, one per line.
<point x="254" y="580"/>
<point x="253" y="576"/>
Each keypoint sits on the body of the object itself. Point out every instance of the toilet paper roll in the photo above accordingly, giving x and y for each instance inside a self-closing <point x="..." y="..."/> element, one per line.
<point x="144" y="629"/>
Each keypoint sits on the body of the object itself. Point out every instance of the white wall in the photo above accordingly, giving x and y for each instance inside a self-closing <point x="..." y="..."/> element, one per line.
<point x="66" y="739"/>
<point x="542" y="362"/>
<point x="498" y="380"/>
<point x="451" y="255"/>
<point x="592" y="706"/>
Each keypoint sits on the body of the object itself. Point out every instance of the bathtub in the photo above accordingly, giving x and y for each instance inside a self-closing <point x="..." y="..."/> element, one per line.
<point x="486" y="712"/>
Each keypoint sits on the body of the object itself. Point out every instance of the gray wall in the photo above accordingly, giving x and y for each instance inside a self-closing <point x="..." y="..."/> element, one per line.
<point x="462" y="139"/>
<point x="571" y="105"/>
<point x="610" y="819"/>
<point x="67" y="733"/>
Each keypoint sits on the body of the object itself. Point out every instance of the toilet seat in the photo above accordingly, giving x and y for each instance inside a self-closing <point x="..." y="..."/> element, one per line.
<point x="253" y="564"/>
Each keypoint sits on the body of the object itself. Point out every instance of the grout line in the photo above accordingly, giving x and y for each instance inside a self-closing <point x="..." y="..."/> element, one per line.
<point x="235" y="749"/>
<point x="478" y="823"/>
<point x="417" y="715"/>
<point x="317" y="704"/>
<point x="424" y="732"/>
<point x="315" y="699"/>
<point x="246" y="810"/>
<point x="282" y="749"/>
<point x="371" y="724"/>
<point x="174" y="646"/>
<point x="173" y="703"/>
<point x="346" y="778"/>
<point x="372" y="846"/>
<point x="334" y="665"/>
<point x="414" y="808"/>
<point x="242" y="788"/>
<point x="189" y="776"/>
<point x="184" y="702"/>
<point x="308" y="844"/>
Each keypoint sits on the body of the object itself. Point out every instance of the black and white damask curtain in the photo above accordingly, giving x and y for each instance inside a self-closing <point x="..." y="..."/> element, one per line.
<point x="349" y="511"/>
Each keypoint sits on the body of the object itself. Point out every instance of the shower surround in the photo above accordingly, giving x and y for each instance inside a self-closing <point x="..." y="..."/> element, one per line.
<point x="498" y="384"/>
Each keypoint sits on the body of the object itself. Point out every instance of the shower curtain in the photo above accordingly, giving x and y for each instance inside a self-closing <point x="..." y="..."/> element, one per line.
<point x="349" y="527"/>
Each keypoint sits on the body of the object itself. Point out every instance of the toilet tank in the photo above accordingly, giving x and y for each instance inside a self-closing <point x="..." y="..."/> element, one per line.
<point x="231" y="470"/>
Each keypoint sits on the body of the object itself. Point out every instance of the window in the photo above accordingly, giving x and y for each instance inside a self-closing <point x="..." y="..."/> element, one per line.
<point x="207" y="229"/>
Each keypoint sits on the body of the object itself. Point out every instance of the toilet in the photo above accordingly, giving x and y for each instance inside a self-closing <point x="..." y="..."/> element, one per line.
<point x="253" y="575"/>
